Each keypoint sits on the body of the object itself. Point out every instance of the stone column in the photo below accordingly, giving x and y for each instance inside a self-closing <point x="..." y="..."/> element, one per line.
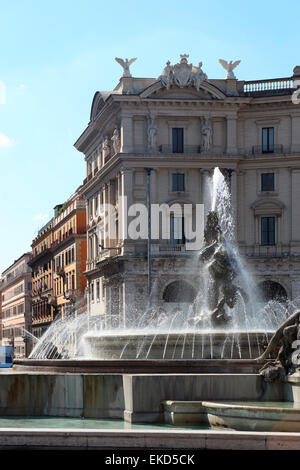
<point x="109" y="214"/>
<point x="295" y="147"/>
<point x="126" y="200"/>
<point x="295" y="284"/>
<point x="231" y="134"/>
<point x="295" y="211"/>
<point x="154" y="174"/>
<point x="126" y="134"/>
<point x="234" y="199"/>
<point x="240" y="209"/>
<point x="105" y="240"/>
<point x="205" y="174"/>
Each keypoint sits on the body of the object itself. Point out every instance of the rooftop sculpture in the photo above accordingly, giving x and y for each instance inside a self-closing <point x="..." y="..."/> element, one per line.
<point x="125" y="64"/>
<point x="182" y="74"/>
<point x="229" y="66"/>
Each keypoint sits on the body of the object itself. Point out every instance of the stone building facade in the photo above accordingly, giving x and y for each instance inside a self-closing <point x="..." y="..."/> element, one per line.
<point x="15" y="290"/>
<point x="182" y="125"/>
<point x="58" y="261"/>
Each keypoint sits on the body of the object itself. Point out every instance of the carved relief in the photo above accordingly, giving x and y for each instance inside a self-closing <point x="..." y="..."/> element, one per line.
<point x="182" y="74"/>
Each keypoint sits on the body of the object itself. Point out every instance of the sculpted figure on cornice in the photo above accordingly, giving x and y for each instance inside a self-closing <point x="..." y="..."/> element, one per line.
<point x="166" y="75"/>
<point x="229" y="66"/>
<point x="125" y="64"/>
<point x="182" y="74"/>
<point x="199" y="76"/>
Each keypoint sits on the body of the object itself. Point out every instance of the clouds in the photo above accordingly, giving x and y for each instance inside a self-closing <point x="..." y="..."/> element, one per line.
<point x="5" y="141"/>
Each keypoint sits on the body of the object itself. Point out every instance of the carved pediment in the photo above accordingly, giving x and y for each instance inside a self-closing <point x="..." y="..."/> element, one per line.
<point x="183" y="93"/>
<point x="206" y="91"/>
<point x="97" y="105"/>
<point x="267" y="207"/>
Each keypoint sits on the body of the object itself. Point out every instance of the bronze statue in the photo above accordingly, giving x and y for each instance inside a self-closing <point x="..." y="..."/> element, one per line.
<point x="222" y="269"/>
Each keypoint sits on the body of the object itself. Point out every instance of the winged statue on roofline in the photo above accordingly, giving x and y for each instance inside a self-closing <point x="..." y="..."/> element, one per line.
<point x="125" y="64"/>
<point x="229" y="66"/>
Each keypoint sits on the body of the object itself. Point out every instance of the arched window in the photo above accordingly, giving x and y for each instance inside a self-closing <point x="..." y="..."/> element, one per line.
<point x="179" y="292"/>
<point x="271" y="290"/>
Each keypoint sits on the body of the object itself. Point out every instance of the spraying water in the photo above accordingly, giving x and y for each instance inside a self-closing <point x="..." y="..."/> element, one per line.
<point x="182" y="333"/>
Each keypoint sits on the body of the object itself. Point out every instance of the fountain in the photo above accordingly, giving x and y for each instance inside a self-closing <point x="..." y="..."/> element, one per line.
<point x="199" y="363"/>
<point x="226" y="321"/>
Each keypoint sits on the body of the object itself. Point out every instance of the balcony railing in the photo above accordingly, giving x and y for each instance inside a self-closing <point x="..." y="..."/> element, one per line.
<point x="267" y="251"/>
<point x="7" y="281"/>
<point x="186" y="149"/>
<point x="272" y="86"/>
<point x="168" y="249"/>
<point x="258" y="149"/>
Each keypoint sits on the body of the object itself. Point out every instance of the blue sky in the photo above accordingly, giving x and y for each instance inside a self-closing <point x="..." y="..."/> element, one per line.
<point x="56" y="54"/>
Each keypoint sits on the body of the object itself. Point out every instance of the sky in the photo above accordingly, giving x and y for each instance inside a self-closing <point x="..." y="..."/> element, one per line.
<point x="56" y="54"/>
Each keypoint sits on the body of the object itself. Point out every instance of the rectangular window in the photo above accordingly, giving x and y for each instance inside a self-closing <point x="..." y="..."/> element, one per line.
<point x="98" y="290"/>
<point x="20" y="308"/>
<point x="177" y="140"/>
<point x="268" y="230"/>
<point x="92" y="292"/>
<point x="177" y="230"/>
<point x="268" y="139"/>
<point x="267" y="181"/>
<point x="178" y="182"/>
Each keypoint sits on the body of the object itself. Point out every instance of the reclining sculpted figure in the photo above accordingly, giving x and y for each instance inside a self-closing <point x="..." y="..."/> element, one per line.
<point x="282" y="344"/>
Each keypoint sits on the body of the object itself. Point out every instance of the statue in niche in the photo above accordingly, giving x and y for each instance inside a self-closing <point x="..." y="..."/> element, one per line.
<point x="206" y="135"/>
<point x="198" y="76"/>
<point x="105" y="148"/>
<point x="166" y="75"/>
<point x="116" y="142"/>
<point x="152" y="134"/>
<point x="283" y="344"/>
<point x="222" y="271"/>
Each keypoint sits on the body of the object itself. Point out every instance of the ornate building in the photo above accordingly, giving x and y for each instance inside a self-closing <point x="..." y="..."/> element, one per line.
<point x="15" y="290"/>
<point x="43" y="301"/>
<point x="181" y="125"/>
<point x="58" y="260"/>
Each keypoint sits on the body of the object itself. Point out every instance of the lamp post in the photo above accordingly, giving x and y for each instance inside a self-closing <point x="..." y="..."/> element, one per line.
<point x="148" y="171"/>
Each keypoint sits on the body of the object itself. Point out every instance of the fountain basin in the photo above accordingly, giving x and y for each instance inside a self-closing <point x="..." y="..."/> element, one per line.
<point x="274" y="417"/>
<point x="176" y="345"/>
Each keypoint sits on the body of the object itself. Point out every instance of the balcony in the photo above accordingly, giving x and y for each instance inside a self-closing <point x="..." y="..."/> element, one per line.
<point x="17" y="274"/>
<point x="39" y="254"/>
<point x="192" y="149"/>
<point x="267" y="251"/>
<point x="169" y="249"/>
<point x="259" y="149"/>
